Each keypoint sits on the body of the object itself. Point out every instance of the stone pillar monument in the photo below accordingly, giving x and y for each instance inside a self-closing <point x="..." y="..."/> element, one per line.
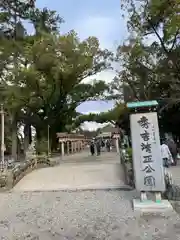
<point x="147" y="160"/>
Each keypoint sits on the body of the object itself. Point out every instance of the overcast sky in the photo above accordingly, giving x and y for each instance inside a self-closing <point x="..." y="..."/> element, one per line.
<point x="102" y="19"/>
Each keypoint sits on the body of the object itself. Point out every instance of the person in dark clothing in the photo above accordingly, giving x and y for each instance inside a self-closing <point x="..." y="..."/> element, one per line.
<point x="173" y="149"/>
<point x="98" y="147"/>
<point x="102" y="144"/>
<point x="108" y="145"/>
<point x="92" y="150"/>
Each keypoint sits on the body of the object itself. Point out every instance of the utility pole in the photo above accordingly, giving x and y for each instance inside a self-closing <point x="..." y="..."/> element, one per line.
<point x="2" y="135"/>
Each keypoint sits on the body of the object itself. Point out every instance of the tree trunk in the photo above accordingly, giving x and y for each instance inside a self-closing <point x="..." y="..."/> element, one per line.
<point x="27" y="136"/>
<point x="19" y="147"/>
<point x="38" y="134"/>
<point x="53" y="141"/>
<point x="38" y="137"/>
<point x="14" y="140"/>
<point x="30" y="135"/>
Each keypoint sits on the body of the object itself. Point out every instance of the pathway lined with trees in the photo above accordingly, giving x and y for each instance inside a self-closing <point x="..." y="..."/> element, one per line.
<point x="79" y="171"/>
<point x="41" y="85"/>
<point x="41" y="75"/>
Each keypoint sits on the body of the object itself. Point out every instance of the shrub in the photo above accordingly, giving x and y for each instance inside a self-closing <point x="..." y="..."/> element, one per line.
<point x="129" y="152"/>
<point x="42" y="146"/>
<point x="128" y="155"/>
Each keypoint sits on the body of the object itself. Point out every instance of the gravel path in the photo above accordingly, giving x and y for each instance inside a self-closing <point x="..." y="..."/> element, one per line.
<point x="85" y="215"/>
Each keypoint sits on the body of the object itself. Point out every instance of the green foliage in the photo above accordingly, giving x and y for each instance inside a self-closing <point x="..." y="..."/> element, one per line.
<point x="129" y="152"/>
<point x="45" y="20"/>
<point x="11" y="15"/>
<point x="150" y="69"/>
<point x="111" y="116"/>
<point x="42" y="146"/>
<point x="149" y="60"/>
<point x="41" y="75"/>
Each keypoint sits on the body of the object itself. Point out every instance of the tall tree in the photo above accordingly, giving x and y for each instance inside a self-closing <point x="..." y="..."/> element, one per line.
<point x="64" y="61"/>
<point x="159" y="20"/>
<point x="12" y="33"/>
<point x="43" y="84"/>
<point x="45" y="21"/>
<point x="154" y="31"/>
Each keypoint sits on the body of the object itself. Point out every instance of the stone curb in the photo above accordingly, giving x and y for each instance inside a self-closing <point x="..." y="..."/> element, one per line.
<point x="80" y="189"/>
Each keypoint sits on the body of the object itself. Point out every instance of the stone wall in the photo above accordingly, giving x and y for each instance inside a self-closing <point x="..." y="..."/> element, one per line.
<point x="10" y="177"/>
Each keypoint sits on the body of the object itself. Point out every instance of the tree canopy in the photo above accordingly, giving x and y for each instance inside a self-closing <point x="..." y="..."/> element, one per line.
<point x="42" y="74"/>
<point x="149" y="61"/>
<point x="150" y="56"/>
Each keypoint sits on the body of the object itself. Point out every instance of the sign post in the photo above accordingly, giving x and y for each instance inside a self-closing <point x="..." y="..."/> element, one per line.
<point x="147" y="160"/>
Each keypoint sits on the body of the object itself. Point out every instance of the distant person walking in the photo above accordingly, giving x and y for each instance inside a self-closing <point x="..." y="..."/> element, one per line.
<point x="108" y="145"/>
<point x="166" y="154"/>
<point x="102" y="143"/>
<point x="173" y="149"/>
<point x="98" y="147"/>
<point x="92" y="148"/>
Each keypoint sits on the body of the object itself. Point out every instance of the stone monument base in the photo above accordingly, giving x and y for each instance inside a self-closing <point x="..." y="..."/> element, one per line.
<point x="149" y="206"/>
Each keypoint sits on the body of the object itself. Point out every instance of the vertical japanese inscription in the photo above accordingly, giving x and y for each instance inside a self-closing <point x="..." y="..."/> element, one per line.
<point x="143" y="122"/>
<point x="146" y="149"/>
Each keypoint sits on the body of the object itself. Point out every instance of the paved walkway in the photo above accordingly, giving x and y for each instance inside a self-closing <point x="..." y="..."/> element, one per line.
<point x="81" y="171"/>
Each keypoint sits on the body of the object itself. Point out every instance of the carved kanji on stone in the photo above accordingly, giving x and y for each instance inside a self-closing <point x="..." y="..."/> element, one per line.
<point x="149" y="181"/>
<point x="146" y="147"/>
<point x="148" y="169"/>
<point x="143" y="122"/>
<point x="147" y="159"/>
<point x="145" y="135"/>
